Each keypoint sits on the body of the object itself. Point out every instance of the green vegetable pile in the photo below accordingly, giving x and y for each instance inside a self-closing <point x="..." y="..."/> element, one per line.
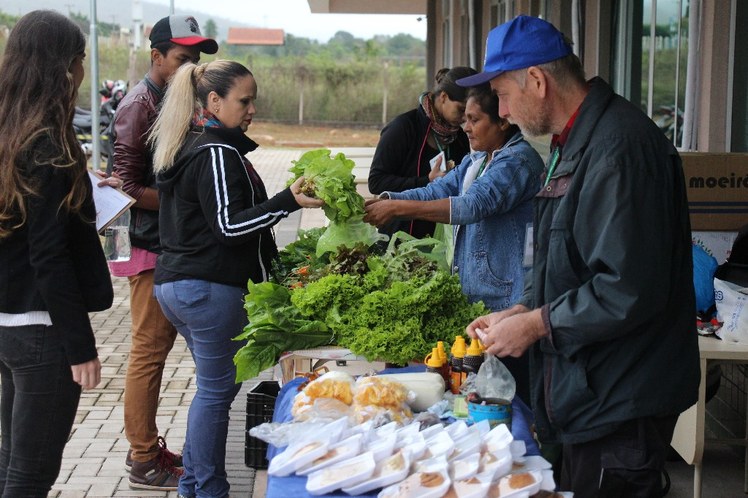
<point x="388" y="303"/>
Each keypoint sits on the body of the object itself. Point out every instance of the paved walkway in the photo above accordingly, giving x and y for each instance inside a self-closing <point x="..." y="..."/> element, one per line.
<point x="93" y="463"/>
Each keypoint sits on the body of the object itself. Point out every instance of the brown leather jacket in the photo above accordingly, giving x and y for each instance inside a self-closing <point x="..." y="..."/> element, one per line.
<point x="133" y="160"/>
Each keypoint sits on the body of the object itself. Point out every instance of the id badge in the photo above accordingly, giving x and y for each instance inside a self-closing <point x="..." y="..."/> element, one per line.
<point x="528" y="252"/>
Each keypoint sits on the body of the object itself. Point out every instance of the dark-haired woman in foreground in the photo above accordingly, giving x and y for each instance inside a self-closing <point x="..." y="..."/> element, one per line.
<point x="52" y="268"/>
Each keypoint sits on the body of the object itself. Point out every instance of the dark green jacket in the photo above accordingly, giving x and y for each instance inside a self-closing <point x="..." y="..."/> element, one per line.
<point x="613" y="271"/>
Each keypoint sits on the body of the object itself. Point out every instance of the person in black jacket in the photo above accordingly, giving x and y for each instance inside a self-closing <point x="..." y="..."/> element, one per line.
<point x="609" y="321"/>
<point x="411" y="140"/>
<point x="52" y="267"/>
<point x="216" y="234"/>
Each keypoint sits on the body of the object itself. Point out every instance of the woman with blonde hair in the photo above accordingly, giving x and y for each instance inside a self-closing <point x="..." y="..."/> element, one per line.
<point x="52" y="268"/>
<point x="216" y="234"/>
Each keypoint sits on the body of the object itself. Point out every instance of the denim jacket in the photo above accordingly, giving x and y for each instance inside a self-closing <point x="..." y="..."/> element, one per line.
<point x="490" y="219"/>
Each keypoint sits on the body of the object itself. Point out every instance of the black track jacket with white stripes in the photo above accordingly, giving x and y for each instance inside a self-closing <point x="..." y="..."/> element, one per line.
<point x="215" y="217"/>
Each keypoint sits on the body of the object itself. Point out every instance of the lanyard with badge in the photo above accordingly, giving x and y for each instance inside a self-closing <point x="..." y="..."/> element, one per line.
<point x="555" y="158"/>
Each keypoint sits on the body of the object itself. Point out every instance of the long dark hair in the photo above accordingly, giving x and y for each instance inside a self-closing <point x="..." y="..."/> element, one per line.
<point x="37" y="99"/>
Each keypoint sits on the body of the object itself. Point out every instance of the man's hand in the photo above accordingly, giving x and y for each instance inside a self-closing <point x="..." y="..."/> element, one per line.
<point x="113" y="180"/>
<point x="379" y="212"/>
<point x="88" y="374"/>
<point x="510" y="332"/>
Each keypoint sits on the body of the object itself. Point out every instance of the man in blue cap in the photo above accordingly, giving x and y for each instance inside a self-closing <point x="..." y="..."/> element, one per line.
<point x="608" y="312"/>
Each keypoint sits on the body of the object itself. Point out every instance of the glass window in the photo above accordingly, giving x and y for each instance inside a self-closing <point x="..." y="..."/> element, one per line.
<point x="649" y="59"/>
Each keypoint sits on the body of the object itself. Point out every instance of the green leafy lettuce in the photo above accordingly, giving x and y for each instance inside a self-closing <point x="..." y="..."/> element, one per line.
<point x="332" y="181"/>
<point x="275" y="326"/>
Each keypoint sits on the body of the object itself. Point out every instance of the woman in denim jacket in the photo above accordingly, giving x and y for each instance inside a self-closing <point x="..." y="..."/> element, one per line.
<point x="488" y="200"/>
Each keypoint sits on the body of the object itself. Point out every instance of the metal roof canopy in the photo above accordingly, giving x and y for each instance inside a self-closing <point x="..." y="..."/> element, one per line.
<point x="417" y="7"/>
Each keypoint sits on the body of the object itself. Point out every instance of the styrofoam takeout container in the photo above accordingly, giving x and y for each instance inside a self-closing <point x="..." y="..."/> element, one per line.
<point x="296" y="456"/>
<point x="342" y="450"/>
<point x="382" y="447"/>
<point x="412" y="487"/>
<point x="507" y="487"/>
<point x="392" y="469"/>
<point x="342" y="474"/>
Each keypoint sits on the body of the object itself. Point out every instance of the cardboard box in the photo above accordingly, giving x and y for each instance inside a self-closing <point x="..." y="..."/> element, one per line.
<point x="717" y="185"/>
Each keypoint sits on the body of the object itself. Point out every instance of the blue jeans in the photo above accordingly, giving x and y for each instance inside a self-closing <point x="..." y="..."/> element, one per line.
<point x="37" y="409"/>
<point x="208" y="315"/>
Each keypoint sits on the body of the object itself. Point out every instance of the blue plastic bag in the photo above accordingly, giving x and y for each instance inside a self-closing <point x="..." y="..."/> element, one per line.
<point x="704" y="267"/>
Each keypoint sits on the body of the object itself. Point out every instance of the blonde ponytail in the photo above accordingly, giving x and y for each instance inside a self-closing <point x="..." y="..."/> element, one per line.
<point x="187" y="94"/>
<point x="175" y="117"/>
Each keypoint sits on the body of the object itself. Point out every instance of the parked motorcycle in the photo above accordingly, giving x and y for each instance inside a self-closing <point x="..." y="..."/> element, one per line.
<point x="112" y="92"/>
<point x="670" y="121"/>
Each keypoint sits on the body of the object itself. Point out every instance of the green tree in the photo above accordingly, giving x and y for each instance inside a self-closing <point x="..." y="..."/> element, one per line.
<point x="210" y="28"/>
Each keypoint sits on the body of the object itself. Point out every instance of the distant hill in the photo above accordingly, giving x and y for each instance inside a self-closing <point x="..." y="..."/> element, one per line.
<point x="118" y="12"/>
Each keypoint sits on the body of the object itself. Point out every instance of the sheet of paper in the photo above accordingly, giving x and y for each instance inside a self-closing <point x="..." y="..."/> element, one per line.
<point x="443" y="165"/>
<point x="110" y="202"/>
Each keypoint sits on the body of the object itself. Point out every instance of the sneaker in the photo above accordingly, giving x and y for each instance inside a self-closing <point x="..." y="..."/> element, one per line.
<point x="155" y="474"/>
<point x="174" y="459"/>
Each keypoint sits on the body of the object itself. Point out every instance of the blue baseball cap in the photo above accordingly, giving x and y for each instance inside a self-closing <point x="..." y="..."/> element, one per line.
<point x="522" y="42"/>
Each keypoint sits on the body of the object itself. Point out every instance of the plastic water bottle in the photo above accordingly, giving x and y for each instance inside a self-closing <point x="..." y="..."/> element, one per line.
<point x="117" y="239"/>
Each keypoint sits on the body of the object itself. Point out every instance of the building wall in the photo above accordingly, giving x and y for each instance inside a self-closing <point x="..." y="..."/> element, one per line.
<point x="713" y="92"/>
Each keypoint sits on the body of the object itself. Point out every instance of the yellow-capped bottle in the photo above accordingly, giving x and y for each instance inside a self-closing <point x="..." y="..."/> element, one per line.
<point x="445" y="362"/>
<point x="473" y="357"/>
<point x="457" y="374"/>
<point x="433" y="361"/>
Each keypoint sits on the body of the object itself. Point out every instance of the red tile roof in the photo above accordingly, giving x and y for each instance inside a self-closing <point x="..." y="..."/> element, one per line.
<point x="255" y="36"/>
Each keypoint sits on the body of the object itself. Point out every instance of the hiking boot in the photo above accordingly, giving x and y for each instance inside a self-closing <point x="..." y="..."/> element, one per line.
<point x="155" y="474"/>
<point x="173" y="459"/>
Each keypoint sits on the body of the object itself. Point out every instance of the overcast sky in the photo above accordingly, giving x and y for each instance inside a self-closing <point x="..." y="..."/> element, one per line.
<point x="295" y="17"/>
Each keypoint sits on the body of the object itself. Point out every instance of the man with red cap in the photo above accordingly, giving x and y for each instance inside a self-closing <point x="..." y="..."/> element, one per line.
<point x="175" y="40"/>
<point x="608" y="312"/>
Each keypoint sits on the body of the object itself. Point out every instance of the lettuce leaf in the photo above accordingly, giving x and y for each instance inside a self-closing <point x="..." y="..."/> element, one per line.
<point x="333" y="182"/>
<point x="275" y="326"/>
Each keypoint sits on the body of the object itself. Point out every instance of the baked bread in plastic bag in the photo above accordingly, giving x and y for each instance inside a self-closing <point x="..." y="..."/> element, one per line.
<point x="381" y="400"/>
<point x="330" y="386"/>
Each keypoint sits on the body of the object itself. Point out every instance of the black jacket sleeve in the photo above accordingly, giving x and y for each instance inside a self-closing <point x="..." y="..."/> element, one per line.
<point x="53" y="249"/>
<point x="235" y="217"/>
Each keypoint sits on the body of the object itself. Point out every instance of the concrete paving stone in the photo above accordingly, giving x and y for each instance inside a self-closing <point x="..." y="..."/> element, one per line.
<point x="71" y="492"/>
<point x="102" y="489"/>
<point x="98" y="414"/>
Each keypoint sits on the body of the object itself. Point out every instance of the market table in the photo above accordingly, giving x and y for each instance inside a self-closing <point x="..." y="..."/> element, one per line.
<point x="688" y="438"/>
<point x="282" y="487"/>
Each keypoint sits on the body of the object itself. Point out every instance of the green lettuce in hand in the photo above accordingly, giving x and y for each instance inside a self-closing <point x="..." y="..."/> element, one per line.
<point x="330" y="179"/>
